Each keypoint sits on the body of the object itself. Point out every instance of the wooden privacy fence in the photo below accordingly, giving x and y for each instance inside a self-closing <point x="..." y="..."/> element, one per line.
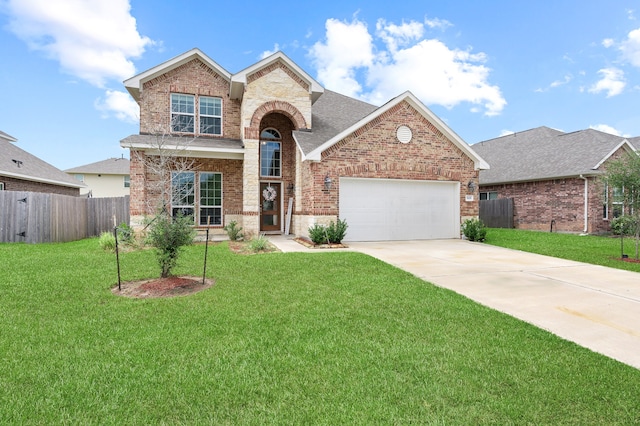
<point x="34" y="217"/>
<point x="497" y="213"/>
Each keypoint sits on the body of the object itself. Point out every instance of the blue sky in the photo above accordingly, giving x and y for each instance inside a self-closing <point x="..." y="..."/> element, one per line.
<point x="486" y="68"/>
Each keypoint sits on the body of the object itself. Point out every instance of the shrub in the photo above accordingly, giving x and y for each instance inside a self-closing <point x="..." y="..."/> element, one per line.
<point x="318" y="234"/>
<point x="623" y="225"/>
<point x="107" y="241"/>
<point x="474" y="230"/>
<point x="125" y="234"/>
<point x="233" y="231"/>
<point x="168" y="235"/>
<point x="337" y="231"/>
<point x="260" y="243"/>
<point x="334" y="233"/>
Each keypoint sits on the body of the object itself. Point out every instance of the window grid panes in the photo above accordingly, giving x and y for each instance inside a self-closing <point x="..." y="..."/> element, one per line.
<point x="210" y="115"/>
<point x="127" y="181"/>
<point x="182" y="113"/>
<point x="270" y="158"/>
<point x="182" y="193"/>
<point x="210" y="199"/>
<point x="493" y="195"/>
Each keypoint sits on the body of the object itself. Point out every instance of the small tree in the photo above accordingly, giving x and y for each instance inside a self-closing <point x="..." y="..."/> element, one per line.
<point x="624" y="175"/>
<point x="168" y="235"/>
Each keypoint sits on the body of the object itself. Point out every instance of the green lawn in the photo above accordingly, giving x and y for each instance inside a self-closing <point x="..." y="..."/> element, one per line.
<point x="598" y="250"/>
<point x="281" y="338"/>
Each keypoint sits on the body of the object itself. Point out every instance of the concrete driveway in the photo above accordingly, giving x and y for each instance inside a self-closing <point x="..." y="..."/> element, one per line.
<point x="593" y="306"/>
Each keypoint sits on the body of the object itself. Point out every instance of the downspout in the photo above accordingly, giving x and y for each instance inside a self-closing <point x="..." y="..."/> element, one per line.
<point x="586" y="204"/>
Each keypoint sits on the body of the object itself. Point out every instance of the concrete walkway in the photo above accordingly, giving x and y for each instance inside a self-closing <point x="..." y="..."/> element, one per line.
<point x="593" y="306"/>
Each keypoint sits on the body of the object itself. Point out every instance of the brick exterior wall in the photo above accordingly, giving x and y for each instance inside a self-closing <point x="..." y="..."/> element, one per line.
<point x="145" y="200"/>
<point x="12" y="184"/>
<point x="536" y="204"/>
<point x="374" y="152"/>
<point x="192" y="78"/>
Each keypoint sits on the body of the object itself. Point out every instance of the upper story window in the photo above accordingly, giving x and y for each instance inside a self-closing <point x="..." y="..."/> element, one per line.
<point x="79" y="177"/>
<point x="270" y="159"/>
<point x="184" y="117"/>
<point x="210" y="116"/>
<point x="182" y="113"/>
<point x="1" y="186"/>
<point x="127" y="181"/>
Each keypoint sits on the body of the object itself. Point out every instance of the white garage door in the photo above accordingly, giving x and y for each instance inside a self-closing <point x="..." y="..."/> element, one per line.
<point x="388" y="209"/>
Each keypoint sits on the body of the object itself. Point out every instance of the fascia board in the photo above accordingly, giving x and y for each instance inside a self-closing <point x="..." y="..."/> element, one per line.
<point x="42" y="180"/>
<point x="135" y="83"/>
<point x="627" y="146"/>
<point x="479" y="163"/>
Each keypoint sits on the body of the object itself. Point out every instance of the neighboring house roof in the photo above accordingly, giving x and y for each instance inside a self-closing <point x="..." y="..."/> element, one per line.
<point x="112" y="166"/>
<point x="543" y="153"/>
<point x="19" y="164"/>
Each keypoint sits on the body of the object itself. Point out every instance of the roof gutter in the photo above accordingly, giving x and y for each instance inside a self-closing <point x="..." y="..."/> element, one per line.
<point x="586" y="204"/>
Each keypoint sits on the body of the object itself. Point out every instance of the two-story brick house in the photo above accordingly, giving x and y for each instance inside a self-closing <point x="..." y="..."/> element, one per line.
<point x="276" y="152"/>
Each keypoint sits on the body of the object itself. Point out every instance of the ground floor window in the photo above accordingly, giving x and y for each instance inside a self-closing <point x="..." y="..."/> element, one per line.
<point x="491" y="195"/>
<point x="198" y="195"/>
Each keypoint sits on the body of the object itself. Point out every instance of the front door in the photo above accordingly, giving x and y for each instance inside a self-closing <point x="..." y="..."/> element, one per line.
<point x="270" y="206"/>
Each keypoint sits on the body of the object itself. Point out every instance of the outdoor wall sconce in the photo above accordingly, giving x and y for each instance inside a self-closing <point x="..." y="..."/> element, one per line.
<point x="471" y="186"/>
<point x="290" y="188"/>
<point x="327" y="182"/>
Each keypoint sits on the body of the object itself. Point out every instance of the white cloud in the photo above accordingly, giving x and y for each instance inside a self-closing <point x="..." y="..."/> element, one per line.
<point x="93" y="40"/>
<point x="631" y="48"/>
<point x="405" y="60"/>
<point x="267" y="53"/>
<point x="612" y="82"/>
<point x="348" y="47"/>
<point x="506" y="132"/>
<point x="608" y="42"/>
<point x="608" y="129"/>
<point x="557" y="83"/>
<point x="443" y="24"/>
<point x="120" y="105"/>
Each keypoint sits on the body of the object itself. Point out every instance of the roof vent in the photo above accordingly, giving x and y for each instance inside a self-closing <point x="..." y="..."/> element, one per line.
<point x="18" y="162"/>
<point x="404" y="134"/>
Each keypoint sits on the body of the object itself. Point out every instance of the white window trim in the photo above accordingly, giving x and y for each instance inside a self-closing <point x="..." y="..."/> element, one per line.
<point x="184" y="206"/>
<point x="201" y="206"/>
<point x="605" y="202"/>
<point x="1" y="186"/>
<point x="127" y="181"/>
<point x="212" y="116"/>
<point x="172" y="113"/>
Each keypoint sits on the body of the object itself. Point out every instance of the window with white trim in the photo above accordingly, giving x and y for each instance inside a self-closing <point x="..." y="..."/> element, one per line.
<point x="127" y="181"/>
<point x="198" y="195"/>
<point x="210" y="115"/>
<point x="205" y="120"/>
<point x="491" y="195"/>
<point x="79" y="177"/>
<point x="605" y="202"/>
<point x="270" y="159"/>
<point x="183" y="193"/>
<point x="210" y="199"/>
<point x="617" y="204"/>
<point x="1" y="186"/>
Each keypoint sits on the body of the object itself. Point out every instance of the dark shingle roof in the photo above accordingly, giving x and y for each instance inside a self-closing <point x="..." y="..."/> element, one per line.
<point x="331" y="114"/>
<point x="19" y="164"/>
<point x="112" y="166"/>
<point x="544" y="153"/>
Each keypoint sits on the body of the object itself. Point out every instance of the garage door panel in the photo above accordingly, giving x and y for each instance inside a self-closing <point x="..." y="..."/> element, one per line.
<point x="385" y="209"/>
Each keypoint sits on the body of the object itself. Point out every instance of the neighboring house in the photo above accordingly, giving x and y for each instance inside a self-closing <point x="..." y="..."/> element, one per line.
<point x="21" y="171"/>
<point x="554" y="177"/>
<point x="276" y="152"/>
<point x="107" y="178"/>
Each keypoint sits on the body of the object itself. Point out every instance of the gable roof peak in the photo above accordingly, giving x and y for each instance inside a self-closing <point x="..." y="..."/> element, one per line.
<point x="135" y="83"/>
<point x="239" y="79"/>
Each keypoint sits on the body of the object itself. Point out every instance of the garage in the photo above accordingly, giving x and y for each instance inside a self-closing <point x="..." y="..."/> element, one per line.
<point x="394" y="209"/>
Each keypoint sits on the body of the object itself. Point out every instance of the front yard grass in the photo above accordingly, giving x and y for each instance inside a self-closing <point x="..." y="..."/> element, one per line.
<point x="597" y="250"/>
<point x="281" y="338"/>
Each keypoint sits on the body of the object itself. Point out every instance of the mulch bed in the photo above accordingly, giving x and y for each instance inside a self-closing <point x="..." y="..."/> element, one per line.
<point x="310" y="244"/>
<point x="162" y="287"/>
